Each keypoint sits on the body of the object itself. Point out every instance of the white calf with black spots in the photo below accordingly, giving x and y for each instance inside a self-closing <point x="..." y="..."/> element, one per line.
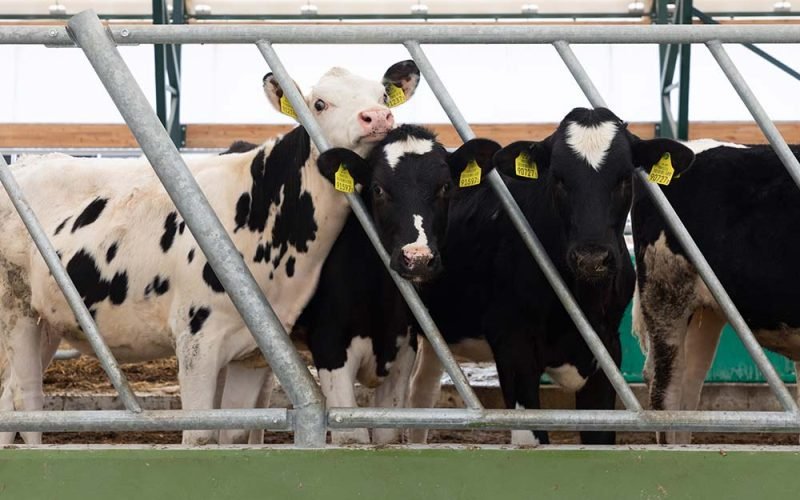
<point x="140" y="272"/>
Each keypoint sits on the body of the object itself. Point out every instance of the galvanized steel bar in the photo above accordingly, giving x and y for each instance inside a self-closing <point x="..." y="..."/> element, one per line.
<point x="408" y="291"/>
<point x="723" y="299"/>
<point x="72" y="295"/>
<point x="528" y="236"/>
<point x="205" y="227"/>
<point x="431" y="34"/>
<point x="276" y="419"/>
<point x="565" y="420"/>
<point x="759" y="115"/>
<point x="579" y="74"/>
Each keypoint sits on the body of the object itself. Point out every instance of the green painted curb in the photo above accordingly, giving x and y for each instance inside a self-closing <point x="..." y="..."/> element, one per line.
<point x="390" y="473"/>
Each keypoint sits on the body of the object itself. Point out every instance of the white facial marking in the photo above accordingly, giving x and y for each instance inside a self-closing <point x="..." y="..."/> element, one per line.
<point x="700" y="145"/>
<point x="567" y="377"/>
<point x="523" y="438"/>
<point x="412" y="145"/>
<point x="418" y="249"/>
<point x="591" y="143"/>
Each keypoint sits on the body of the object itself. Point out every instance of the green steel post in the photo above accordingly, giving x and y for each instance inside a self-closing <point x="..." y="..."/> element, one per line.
<point x="159" y="17"/>
<point x="686" y="62"/>
<point x="664" y="55"/>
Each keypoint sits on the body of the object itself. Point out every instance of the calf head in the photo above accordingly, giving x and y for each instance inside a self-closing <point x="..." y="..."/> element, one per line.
<point x="353" y="112"/>
<point x="585" y="169"/>
<point x="408" y="179"/>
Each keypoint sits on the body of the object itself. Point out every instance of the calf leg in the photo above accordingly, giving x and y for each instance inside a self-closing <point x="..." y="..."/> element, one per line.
<point x="23" y="387"/>
<point x="426" y="385"/>
<point x="201" y="357"/>
<point x="519" y="377"/>
<point x="338" y="387"/>
<point x="700" y="346"/>
<point x="599" y="394"/>
<point x="244" y="383"/>
<point x="393" y="391"/>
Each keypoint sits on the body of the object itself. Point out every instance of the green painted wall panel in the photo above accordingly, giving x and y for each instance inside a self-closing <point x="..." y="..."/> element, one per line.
<point x="391" y="473"/>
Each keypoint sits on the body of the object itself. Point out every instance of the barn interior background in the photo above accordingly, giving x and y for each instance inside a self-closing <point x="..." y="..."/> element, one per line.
<point x="45" y="92"/>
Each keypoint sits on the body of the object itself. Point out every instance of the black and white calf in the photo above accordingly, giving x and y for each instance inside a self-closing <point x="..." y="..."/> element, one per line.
<point x="140" y="271"/>
<point x="742" y="208"/>
<point x="357" y="325"/>
<point x="492" y="288"/>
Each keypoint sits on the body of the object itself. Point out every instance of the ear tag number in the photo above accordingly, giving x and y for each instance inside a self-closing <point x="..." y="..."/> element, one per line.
<point x="396" y="95"/>
<point x="286" y="108"/>
<point x="343" y="181"/>
<point x="662" y="172"/>
<point x="524" y="167"/>
<point x="470" y="176"/>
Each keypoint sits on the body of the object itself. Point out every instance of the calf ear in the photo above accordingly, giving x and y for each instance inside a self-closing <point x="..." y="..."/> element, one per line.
<point x="647" y="154"/>
<point x="277" y="97"/>
<point x="479" y="151"/>
<point x="523" y="159"/>
<point x="330" y="161"/>
<point x="401" y="80"/>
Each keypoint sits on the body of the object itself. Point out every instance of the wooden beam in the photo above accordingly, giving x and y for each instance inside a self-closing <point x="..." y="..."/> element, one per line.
<point x="36" y="135"/>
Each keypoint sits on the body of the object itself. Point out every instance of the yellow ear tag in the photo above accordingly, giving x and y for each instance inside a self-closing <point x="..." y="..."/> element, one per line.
<point x="524" y="167"/>
<point x="343" y="181"/>
<point x="662" y="172"/>
<point x="470" y="176"/>
<point x="396" y="95"/>
<point x="286" y="107"/>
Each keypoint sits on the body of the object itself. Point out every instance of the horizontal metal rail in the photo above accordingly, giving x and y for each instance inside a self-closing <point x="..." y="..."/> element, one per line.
<point x="221" y="34"/>
<point x="565" y="420"/>
<point x="281" y="419"/>
<point x="527" y="234"/>
<point x="275" y="419"/>
<point x="408" y="291"/>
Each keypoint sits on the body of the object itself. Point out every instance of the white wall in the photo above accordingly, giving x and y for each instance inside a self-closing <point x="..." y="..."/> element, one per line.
<point x="491" y="84"/>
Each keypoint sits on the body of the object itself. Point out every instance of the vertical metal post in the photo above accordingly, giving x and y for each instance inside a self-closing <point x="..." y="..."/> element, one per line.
<point x="528" y="236"/>
<point x="408" y="291"/>
<point x="310" y="425"/>
<point x="759" y="115"/>
<point x="74" y="299"/>
<point x="723" y="299"/>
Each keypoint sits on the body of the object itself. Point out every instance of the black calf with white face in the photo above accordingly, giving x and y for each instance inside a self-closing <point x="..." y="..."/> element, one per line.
<point x="587" y="166"/>
<point x="408" y="190"/>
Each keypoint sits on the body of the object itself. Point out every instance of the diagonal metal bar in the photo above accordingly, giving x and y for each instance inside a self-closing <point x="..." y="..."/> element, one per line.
<point x="528" y="236"/>
<point x="706" y="19"/>
<point x="85" y="320"/>
<point x="759" y="115"/>
<point x="579" y="74"/>
<point x="697" y="259"/>
<point x="723" y="299"/>
<point x="408" y="291"/>
<point x="211" y="236"/>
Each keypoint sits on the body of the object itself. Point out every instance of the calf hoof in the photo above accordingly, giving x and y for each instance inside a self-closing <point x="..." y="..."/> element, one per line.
<point x="524" y="438"/>
<point x="418" y="436"/>
<point x="199" y="438"/>
<point x="354" y="436"/>
<point x="385" y="436"/>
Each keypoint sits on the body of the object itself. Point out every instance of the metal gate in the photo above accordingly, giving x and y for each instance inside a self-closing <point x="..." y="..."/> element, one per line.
<point x="309" y="419"/>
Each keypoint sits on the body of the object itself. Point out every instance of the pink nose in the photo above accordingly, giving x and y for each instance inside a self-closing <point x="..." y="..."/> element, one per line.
<point x="416" y="255"/>
<point x="376" y="120"/>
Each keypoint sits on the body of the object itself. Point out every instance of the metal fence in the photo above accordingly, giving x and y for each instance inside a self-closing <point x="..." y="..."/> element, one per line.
<point x="309" y="418"/>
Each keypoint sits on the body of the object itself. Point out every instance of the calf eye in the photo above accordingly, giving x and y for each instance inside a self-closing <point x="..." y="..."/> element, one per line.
<point x="320" y="105"/>
<point x="444" y="189"/>
<point x="378" y="191"/>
